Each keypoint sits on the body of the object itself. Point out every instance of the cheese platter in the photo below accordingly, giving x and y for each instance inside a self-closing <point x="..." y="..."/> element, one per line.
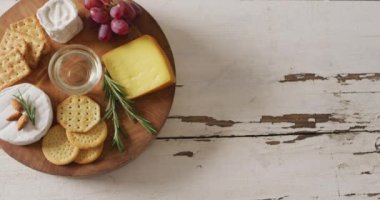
<point x="109" y="96"/>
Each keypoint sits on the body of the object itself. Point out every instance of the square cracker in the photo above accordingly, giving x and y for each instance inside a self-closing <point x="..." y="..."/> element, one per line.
<point x="7" y="45"/>
<point x="36" y="46"/>
<point x="13" y="68"/>
<point x="31" y="27"/>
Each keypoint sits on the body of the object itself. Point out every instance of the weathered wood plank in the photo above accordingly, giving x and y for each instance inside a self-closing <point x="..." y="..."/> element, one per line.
<point x="235" y="70"/>
<point x="321" y="167"/>
<point x="249" y="71"/>
<point x="5" y="5"/>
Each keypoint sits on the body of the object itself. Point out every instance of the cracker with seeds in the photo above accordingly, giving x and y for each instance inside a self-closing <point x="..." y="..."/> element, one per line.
<point x="8" y="45"/>
<point x="78" y="114"/>
<point x="86" y="156"/>
<point x="90" y="139"/>
<point x="31" y="27"/>
<point x="36" y="46"/>
<point x="13" y="68"/>
<point x="56" y="148"/>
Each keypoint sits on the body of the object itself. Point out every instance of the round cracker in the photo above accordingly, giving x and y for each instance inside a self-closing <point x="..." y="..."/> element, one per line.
<point x="86" y="156"/>
<point x="78" y="113"/>
<point x="90" y="139"/>
<point x="56" y="148"/>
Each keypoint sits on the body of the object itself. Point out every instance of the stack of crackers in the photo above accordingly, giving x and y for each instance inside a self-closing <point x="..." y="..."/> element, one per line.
<point x="21" y="48"/>
<point x="80" y="136"/>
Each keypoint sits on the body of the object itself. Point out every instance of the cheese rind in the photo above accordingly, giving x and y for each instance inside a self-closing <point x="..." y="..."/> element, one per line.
<point x="30" y="133"/>
<point x="140" y="66"/>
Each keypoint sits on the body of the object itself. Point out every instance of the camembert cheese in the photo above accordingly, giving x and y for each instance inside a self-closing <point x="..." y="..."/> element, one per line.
<point x="140" y="66"/>
<point x="44" y="115"/>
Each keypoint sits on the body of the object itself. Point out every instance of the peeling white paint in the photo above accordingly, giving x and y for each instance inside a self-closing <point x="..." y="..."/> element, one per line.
<point x="232" y="57"/>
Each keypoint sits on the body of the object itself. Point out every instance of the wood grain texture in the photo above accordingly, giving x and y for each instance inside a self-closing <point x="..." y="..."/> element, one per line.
<point x="275" y="100"/>
<point x="155" y="107"/>
<point x="323" y="167"/>
<point x="268" y="71"/>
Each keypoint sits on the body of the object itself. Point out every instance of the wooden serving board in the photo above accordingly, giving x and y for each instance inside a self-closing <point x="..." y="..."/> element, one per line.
<point x="155" y="107"/>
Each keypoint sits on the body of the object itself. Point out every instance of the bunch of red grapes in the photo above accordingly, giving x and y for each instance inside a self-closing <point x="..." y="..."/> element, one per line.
<point x="113" y="17"/>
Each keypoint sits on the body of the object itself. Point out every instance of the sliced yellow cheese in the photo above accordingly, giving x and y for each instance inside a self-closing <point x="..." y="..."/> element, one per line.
<point x="140" y="66"/>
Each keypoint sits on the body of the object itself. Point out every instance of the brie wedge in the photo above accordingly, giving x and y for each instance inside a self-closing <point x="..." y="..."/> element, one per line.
<point x="30" y="133"/>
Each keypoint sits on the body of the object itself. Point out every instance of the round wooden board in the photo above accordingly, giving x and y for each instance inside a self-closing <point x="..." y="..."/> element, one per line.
<point x="155" y="107"/>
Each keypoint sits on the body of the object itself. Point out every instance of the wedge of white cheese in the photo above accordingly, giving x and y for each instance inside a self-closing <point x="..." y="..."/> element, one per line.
<point x="60" y="20"/>
<point x="31" y="133"/>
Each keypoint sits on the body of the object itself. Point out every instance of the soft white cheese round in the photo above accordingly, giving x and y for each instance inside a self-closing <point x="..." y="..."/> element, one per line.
<point x="60" y="20"/>
<point x="30" y="133"/>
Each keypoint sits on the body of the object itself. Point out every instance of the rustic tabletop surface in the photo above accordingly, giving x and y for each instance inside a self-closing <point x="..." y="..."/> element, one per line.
<point x="275" y="100"/>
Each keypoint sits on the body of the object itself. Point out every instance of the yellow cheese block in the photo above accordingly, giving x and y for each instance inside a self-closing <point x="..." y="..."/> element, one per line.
<point x="140" y="66"/>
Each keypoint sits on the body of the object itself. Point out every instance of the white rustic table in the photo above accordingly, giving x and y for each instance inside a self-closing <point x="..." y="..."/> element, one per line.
<point x="275" y="100"/>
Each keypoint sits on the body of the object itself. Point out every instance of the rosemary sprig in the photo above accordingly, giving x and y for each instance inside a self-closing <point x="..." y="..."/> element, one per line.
<point x="116" y="95"/>
<point x="30" y="110"/>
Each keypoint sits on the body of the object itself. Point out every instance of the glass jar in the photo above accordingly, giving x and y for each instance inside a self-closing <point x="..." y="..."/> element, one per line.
<point x="75" y="69"/>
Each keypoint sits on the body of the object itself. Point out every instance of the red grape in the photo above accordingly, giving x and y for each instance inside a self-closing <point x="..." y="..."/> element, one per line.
<point x="119" y="26"/>
<point x="122" y="4"/>
<point x="117" y="12"/>
<point x="92" y="3"/>
<point x="106" y="2"/>
<point x="105" y="32"/>
<point x="110" y="17"/>
<point x="130" y="12"/>
<point x="99" y="15"/>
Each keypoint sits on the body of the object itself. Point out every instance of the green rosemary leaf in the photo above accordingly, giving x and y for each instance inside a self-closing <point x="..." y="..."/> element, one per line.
<point x="116" y="95"/>
<point x="27" y="105"/>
